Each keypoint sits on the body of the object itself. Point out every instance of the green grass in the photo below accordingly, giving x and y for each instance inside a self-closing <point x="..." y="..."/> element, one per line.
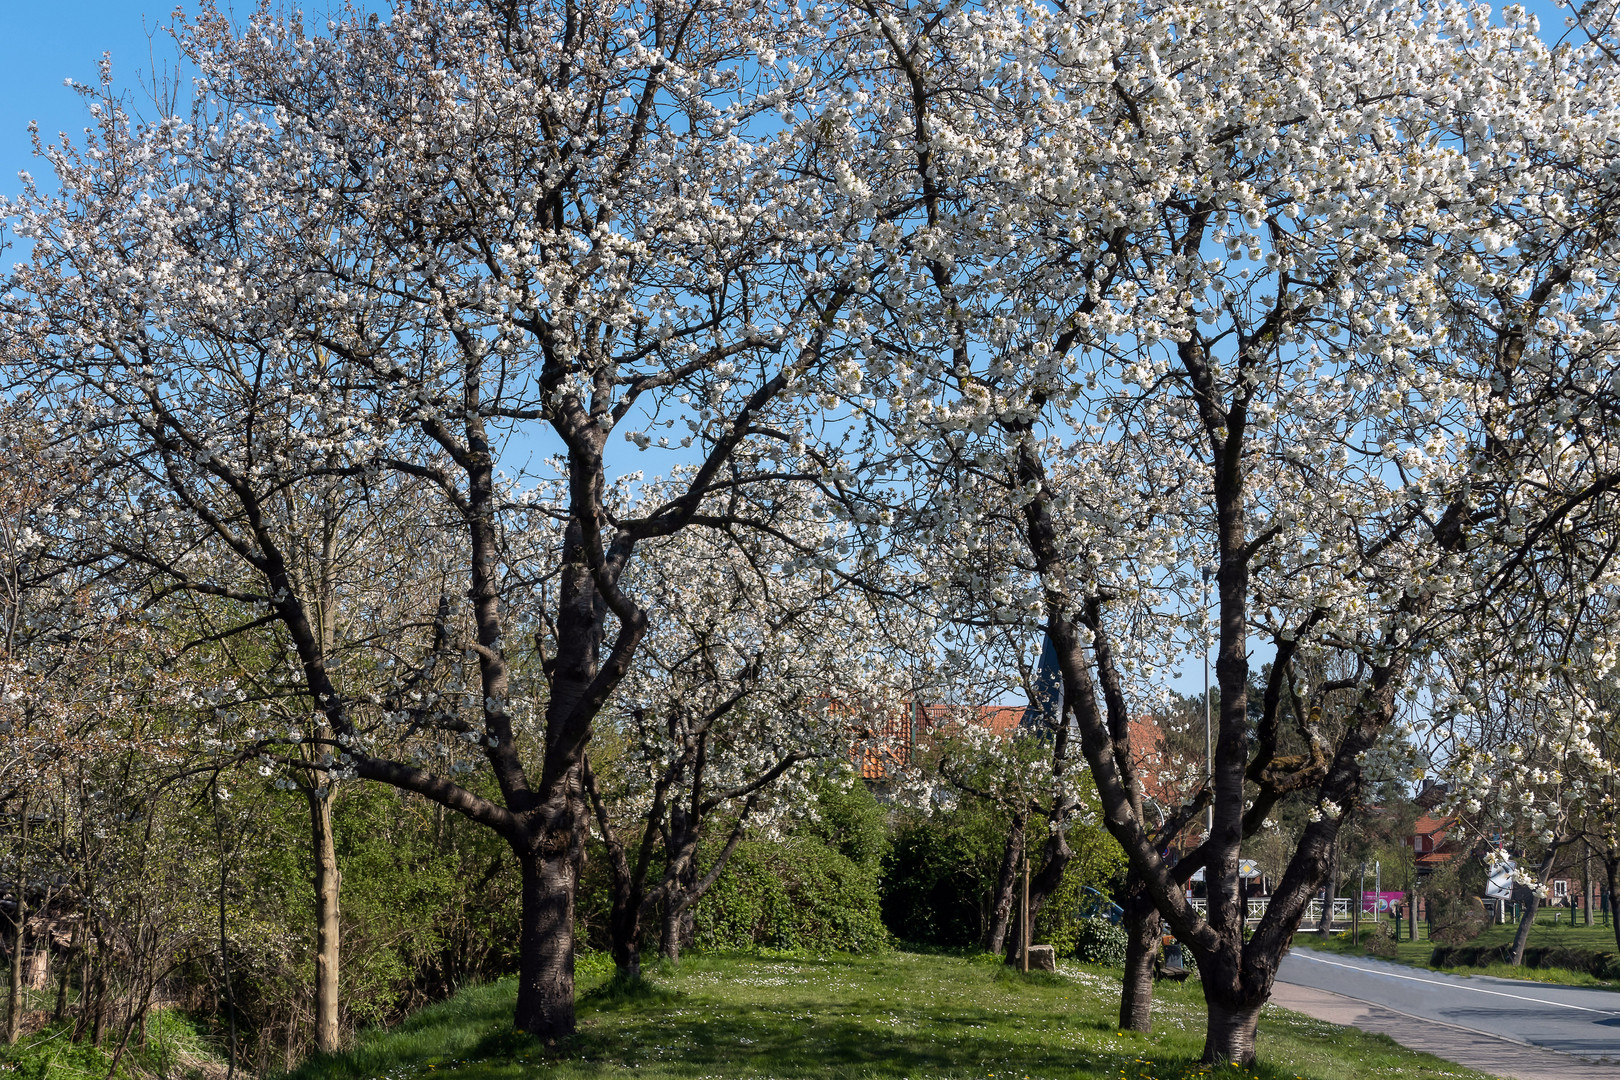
<point x="1598" y="938"/>
<point x="173" y="1049"/>
<point x="896" y="1015"/>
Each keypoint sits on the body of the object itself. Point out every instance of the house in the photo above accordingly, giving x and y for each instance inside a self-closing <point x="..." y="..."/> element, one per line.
<point x="1429" y="840"/>
<point x="890" y="740"/>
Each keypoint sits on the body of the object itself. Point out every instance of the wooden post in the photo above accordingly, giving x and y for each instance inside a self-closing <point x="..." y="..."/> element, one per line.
<point x="1588" y="897"/>
<point x="1023" y="960"/>
<point x="1355" y="909"/>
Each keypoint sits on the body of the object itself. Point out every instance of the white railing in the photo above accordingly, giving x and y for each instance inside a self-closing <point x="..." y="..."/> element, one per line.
<point x="1257" y="908"/>
<point x="1341" y="911"/>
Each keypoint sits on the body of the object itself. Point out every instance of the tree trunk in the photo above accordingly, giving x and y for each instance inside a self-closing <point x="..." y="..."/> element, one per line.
<point x="669" y="938"/>
<point x="1330" y="889"/>
<point x="995" y="938"/>
<point x="98" y="1026"/>
<point x="1143" y="927"/>
<point x="19" y="938"/>
<point x="1611" y="873"/>
<point x="1055" y="859"/>
<point x="328" y="932"/>
<point x="1522" y="937"/>
<point x="1229" y="1036"/>
<point x="14" y="992"/>
<point x="545" y="1004"/>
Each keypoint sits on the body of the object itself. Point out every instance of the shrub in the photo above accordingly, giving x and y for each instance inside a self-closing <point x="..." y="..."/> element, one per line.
<point x="1379" y="941"/>
<point x="1456" y="914"/>
<point x="939" y="874"/>
<point x="1097" y="867"/>
<point x="796" y="893"/>
<point x="1098" y="941"/>
<point x="816" y="889"/>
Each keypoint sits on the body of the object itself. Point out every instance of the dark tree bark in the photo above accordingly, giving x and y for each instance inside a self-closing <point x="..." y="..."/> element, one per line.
<point x="1330" y="889"/>
<point x="1143" y="929"/>
<point x="1001" y="910"/>
<point x="1055" y="858"/>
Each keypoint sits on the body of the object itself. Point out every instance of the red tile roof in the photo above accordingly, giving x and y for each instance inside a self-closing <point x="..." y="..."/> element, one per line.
<point x="893" y="736"/>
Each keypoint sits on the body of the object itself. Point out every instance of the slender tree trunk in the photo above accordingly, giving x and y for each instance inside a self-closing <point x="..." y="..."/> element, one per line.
<point x="98" y="1025"/>
<point x="1055" y="857"/>
<point x="62" y="977"/>
<point x="19" y="938"/>
<point x="328" y="929"/>
<point x="1587" y="895"/>
<point x="1001" y="912"/>
<point x="1522" y="937"/>
<point x="1143" y="927"/>
<point x="1611" y="874"/>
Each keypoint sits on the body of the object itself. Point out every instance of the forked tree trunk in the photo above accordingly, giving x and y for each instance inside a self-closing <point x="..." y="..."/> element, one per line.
<point x="1229" y="1036"/>
<point x="1056" y="855"/>
<point x="1143" y="927"/>
<point x="328" y="928"/>
<point x="995" y="938"/>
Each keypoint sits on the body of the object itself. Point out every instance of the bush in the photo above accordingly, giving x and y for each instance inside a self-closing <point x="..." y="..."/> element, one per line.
<point x="1380" y="941"/>
<point x="939" y="874"/>
<point x="1098" y="941"/>
<point x="815" y="890"/>
<point x="1456" y="914"/>
<point x="1601" y="963"/>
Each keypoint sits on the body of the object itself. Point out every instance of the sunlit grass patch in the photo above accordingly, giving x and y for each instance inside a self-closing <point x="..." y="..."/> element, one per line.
<point x="893" y="1016"/>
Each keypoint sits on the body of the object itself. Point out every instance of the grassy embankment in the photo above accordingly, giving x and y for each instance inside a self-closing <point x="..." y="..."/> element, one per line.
<point x="171" y="1047"/>
<point x="1545" y="934"/>
<point x="895" y="1015"/>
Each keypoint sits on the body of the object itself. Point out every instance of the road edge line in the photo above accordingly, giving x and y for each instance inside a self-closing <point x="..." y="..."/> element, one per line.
<point x="1439" y="1023"/>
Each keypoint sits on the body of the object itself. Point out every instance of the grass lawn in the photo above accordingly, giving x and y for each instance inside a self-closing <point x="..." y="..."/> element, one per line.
<point x="1598" y="938"/>
<point x="894" y="1015"/>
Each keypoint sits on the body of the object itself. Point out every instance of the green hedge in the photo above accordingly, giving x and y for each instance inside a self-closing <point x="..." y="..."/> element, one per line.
<point x="1597" y="962"/>
<point x="797" y="893"/>
<point x="816" y="889"/>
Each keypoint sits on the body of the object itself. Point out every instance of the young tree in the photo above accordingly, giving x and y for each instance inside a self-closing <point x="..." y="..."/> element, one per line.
<point x="745" y="688"/>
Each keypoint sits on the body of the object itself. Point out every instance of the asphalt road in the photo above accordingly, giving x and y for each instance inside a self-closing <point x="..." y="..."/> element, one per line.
<point x="1569" y="1019"/>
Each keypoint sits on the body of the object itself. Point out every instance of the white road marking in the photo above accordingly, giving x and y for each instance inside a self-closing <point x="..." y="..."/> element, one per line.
<point x="1456" y="986"/>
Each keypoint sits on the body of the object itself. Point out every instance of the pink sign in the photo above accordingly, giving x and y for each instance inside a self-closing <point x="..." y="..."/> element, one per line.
<point x="1380" y="901"/>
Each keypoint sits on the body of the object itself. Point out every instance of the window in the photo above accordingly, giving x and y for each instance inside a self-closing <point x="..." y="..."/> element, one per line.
<point x="1560" y="889"/>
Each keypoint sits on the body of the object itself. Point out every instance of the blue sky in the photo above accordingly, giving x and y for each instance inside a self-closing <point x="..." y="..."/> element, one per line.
<point x="59" y="39"/>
